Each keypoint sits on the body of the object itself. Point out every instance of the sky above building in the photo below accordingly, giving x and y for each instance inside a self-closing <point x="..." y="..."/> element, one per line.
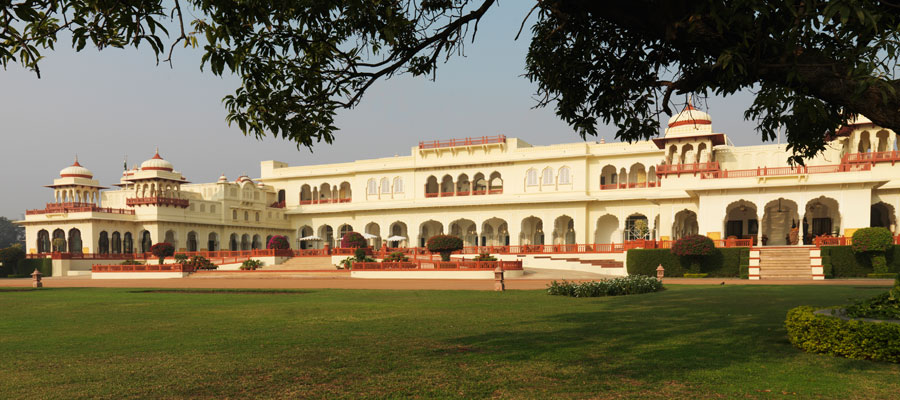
<point x="104" y="106"/>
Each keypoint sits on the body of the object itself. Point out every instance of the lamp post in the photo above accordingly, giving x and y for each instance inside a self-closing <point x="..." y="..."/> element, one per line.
<point x="660" y="272"/>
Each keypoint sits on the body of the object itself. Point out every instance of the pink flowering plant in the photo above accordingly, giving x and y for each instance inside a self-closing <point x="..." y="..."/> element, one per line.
<point x="353" y="240"/>
<point x="278" y="242"/>
<point x="873" y="242"/>
<point x="162" y="250"/>
<point x="444" y="245"/>
<point x="694" y="248"/>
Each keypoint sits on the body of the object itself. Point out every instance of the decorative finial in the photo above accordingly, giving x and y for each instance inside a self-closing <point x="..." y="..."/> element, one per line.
<point x="76" y="164"/>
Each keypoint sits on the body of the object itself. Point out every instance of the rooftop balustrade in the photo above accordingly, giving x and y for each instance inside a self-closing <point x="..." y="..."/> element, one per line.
<point x="55" y="208"/>
<point x="469" y="141"/>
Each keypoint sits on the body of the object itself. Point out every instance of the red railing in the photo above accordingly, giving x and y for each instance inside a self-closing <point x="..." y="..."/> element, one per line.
<point x="142" y="268"/>
<point x="469" y="141"/>
<point x="875" y="157"/>
<point x="304" y="202"/>
<point x="820" y="241"/>
<point x="461" y="265"/>
<point x="277" y="204"/>
<point x="447" y="194"/>
<point x="665" y="169"/>
<point x="310" y="252"/>
<point x="326" y="201"/>
<point x="782" y="171"/>
<point x="465" y="193"/>
<point x="157" y="201"/>
<point x="632" y="185"/>
<point x="53" y="208"/>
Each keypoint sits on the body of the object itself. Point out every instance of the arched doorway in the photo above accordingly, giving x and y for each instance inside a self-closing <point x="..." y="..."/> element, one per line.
<point x="116" y="243"/>
<point x="741" y="220"/>
<point x="822" y="217"/>
<point x="256" y="244"/>
<point x="465" y="230"/>
<point x="532" y="231"/>
<point x="373" y="229"/>
<point x="305" y="232"/>
<point x="494" y="232"/>
<point x="245" y="242"/>
<point x="128" y="243"/>
<point x="398" y="230"/>
<point x="883" y="215"/>
<point x="779" y="218"/>
<point x="637" y="227"/>
<point x="60" y="245"/>
<point x="326" y="233"/>
<point x="75" y="245"/>
<point x="103" y="243"/>
<point x="43" y="241"/>
<point x="233" y="243"/>
<point x="192" y="241"/>
<point x="428" y="229"/>
<point x="564" y="230"/>
<point x="212" y="241"/>
<point x="607" y="226"/>
<point x="170" y="239"/>
<point x="343" y="230"/>
<point x="685" y="224"/>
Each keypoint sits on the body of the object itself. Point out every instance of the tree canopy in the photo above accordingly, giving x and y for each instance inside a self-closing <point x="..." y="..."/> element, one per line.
<point x="813" y="65"/>
<point x="10" y="233"/>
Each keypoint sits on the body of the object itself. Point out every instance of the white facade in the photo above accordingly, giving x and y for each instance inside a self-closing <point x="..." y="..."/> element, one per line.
<point x="498" y="191"/>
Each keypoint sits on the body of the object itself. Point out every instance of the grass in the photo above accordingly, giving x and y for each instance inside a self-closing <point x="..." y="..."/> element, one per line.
<point x="685" y="342"/>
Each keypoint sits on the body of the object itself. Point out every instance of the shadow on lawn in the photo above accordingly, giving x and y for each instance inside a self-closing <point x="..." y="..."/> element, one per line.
<point x="658" y="337"/>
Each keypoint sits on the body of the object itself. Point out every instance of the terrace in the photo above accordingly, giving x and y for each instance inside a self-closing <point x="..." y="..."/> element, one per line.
<point x="469" y="141"/>
<point x="56" y="208"/>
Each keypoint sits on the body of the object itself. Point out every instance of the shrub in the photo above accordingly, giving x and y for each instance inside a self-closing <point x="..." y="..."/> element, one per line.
<point x="395" y="257"/>
<point x="883" y="306"/>
<point x="251" y="265"/>
<point x="484" y="257"/>
<point x="694" y="248"/>
<point x="278" y="242"/>
<point x="200" y="262"/>
<point x="842" y="262"/>
<point x="162" y="250"/>
<point x="729" y="262"/>
<point x="353" y="240"/>
<point x="873" y="241"/>
<point x="445" y="245"/>
<point x="825" y="334"/>
<point x="360" y="253"/>
<point x="11" y="257"/>
<point x="45" y="265"/>
<point x="131" y="262"/>
<point x="181" y="258"/>
<point x="632" y="284"/>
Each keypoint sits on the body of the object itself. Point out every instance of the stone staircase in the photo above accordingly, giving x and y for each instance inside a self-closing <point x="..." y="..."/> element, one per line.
<point x="786" y="263"/>
<point x="596" y="263"/>
<point x="302" y="264"/>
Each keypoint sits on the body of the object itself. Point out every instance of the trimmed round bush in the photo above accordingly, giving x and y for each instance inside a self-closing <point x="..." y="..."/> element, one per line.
<point x="444" y="245"/>
<point x="395" y="257"/>
<point x="162" y="250"/>
<point x="278" y="242"/>
<point x="874" y="242"/>
<point x="825" y="334"/>
<point x="353" y="240"/>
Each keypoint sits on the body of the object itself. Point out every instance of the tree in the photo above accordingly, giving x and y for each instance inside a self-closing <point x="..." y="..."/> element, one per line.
<point x="11" y="258"/>
<point x="445" y="245"/>
<point x="162" y="250"/>
<point x="10" y="233"/>
<point x="814" y="65"/>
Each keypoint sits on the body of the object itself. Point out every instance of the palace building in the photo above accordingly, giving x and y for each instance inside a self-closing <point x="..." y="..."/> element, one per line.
<point x="493" y="191"/>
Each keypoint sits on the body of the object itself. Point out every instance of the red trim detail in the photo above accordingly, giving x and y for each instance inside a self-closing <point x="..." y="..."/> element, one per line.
<point x="76" y="176"/>
<point x="156" y="169"/>
<point x="156" y="156"/>
<point x="691" y="122"/>
<point x="76" y="164"/>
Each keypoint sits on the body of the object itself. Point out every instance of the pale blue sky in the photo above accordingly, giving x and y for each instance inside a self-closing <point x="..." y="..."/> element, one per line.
<point x="103" y="105"/>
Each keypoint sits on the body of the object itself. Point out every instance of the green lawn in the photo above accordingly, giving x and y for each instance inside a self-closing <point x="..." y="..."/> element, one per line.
<point x="686" y="342"/>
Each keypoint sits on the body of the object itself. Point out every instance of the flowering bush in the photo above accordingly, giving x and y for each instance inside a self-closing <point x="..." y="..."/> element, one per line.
<point x="873" y="241"/>
<point x="162" y="250"/>
<point x="632" y="284"/>
<point x="353" y="240"/>
<point x="278" y="242"/>
<point x="444" y="244"/>
<point x="693" y="245"/>
<point x="484" y="257"/>
<point x="200" y="262"/>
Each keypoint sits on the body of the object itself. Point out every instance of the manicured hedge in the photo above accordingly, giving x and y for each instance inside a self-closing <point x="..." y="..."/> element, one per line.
<point x="45" y="265"/>
<point x="625" y="285"/>
<point x="841" y="262"/>
<point x="723" y="262"/>
<point x="824" y="334"/>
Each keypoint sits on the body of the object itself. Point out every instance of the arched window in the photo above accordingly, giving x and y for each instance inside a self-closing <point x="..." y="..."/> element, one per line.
<point x="565" y="176"/>
<point x="371" y="187"/>
<point x="385" y="185"/>
<point x="547" y="176"/>
<point x="531" y="177"/>
<point x="233" y="214"/>
<point x="398" y="185"/>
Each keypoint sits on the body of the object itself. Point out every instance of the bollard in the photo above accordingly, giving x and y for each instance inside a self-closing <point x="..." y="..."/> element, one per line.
<point x="36" y="279"/>
<point x="660" y="272"/>
<point x="499" y="286"/>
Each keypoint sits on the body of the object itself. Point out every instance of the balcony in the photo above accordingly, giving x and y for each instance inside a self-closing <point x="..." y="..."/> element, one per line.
<point x="324" y="201"/>
<point x="666" y="169"/>
<point x="55" y="208"/>
<point x="480" y="192"/>
<point x="157" y="201"/>
<point x="784" y="171"/>
<point x="876" y="157"/>
<point x="633" y="185"/>
<point x="469" y="141"/>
